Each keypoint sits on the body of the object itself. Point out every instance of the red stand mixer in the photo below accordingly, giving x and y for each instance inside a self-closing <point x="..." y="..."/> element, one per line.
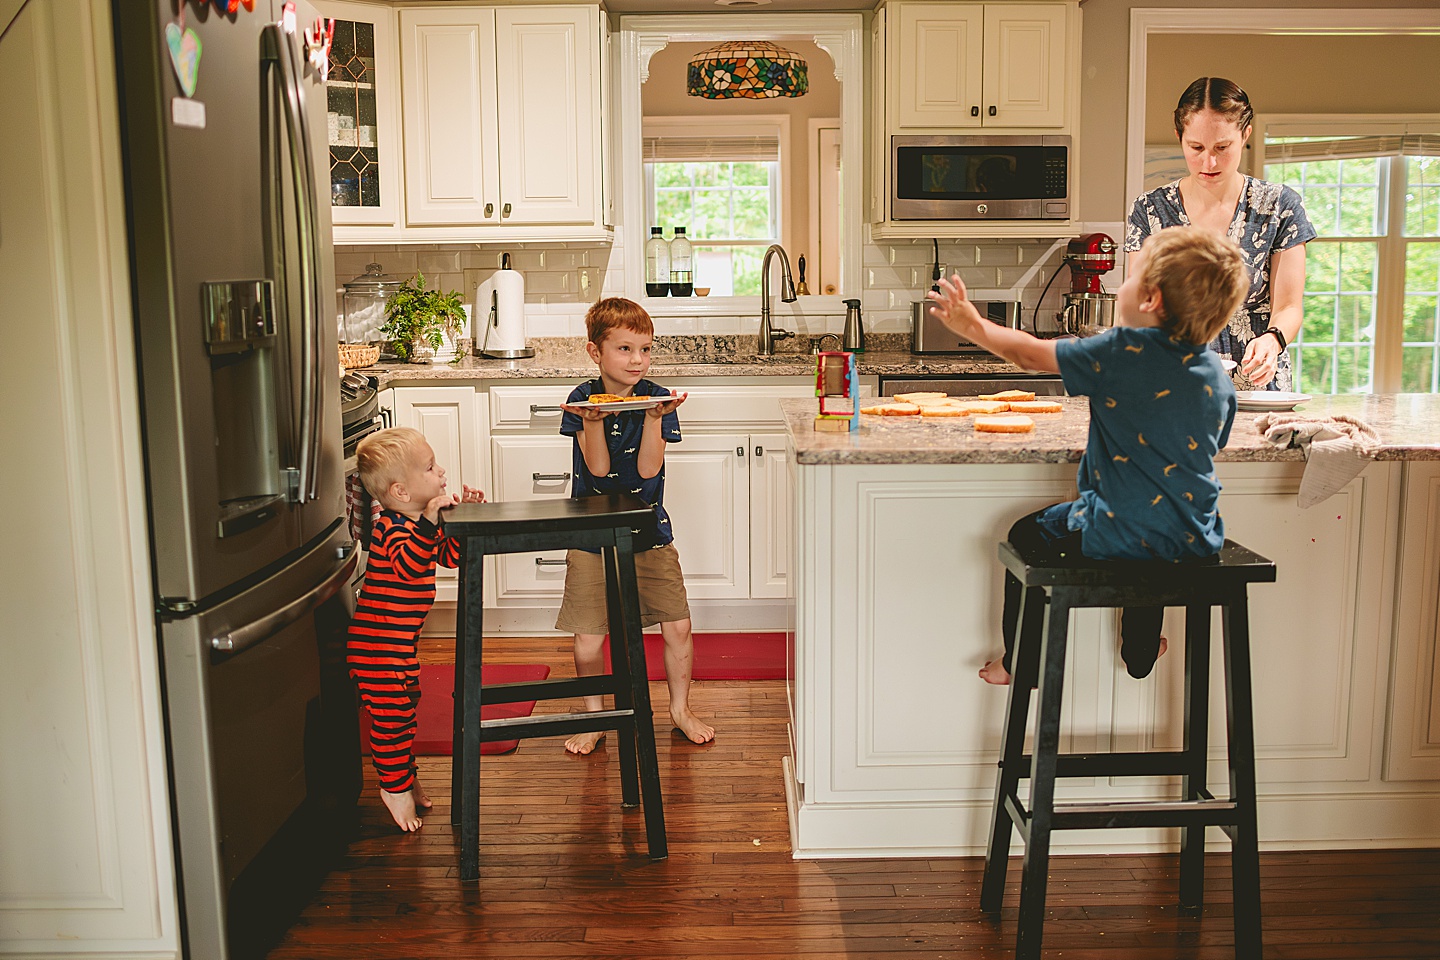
<point x="1088" y="308"/>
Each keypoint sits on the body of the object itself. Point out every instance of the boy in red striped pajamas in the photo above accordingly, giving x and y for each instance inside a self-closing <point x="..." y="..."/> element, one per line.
<point x="398" y="467"/>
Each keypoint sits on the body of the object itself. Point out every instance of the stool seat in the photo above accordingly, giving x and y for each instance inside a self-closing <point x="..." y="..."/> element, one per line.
<point x="604" y="523"/>
<point x="1051" y="588"/>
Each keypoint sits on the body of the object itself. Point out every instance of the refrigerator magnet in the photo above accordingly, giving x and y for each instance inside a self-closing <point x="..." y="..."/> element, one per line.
<point x="184" y="45"/>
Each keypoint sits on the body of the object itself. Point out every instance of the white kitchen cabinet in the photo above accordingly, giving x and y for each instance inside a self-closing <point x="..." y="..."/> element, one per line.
<point x="977" y="65"/>
<point x="707" y="494"/>
<point x="1414" y="701"/>
<point x="769" y="515"/>
<point x="501" y="116"/>
<point x="531" y="468"/>
<point x="363" y="92"/>
<point x="449" y="417"/>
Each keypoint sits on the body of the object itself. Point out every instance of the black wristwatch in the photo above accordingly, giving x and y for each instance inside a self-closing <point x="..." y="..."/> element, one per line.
<point x="1279" y="337"/>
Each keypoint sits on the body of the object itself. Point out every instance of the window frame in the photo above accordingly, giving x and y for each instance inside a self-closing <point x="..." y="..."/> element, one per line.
<point x="1391" y="244"/>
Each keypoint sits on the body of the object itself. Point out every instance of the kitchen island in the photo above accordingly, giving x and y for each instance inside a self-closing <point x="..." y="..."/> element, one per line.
<point x="896" y="604"/>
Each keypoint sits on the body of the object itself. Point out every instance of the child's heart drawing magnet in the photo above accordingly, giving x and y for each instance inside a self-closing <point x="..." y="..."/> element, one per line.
<point x="184" y="45"/>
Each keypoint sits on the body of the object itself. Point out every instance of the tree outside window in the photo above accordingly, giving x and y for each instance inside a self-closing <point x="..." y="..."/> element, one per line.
<point x="729" y="212"/>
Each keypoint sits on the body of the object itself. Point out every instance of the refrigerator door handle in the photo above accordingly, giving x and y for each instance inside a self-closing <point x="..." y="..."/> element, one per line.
<point x="279" y="49"/>
<point x="242" y="638"/>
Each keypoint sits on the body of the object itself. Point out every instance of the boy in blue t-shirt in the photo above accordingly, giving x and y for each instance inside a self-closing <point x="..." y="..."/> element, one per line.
<point x="1161" y="406"/>
<point x="623" y="451"/>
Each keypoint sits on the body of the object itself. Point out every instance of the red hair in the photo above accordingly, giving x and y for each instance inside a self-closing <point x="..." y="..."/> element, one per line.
<point x="616" y="313"/>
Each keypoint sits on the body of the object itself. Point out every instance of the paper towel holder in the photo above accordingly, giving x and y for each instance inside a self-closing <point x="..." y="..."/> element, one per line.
<point x="492" y="323"/>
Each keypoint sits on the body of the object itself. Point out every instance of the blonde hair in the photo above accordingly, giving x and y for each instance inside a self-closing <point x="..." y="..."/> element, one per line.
<point x="616" y="313"/>
<point x="1201" y="277"/>
<point x="383" y="458"/>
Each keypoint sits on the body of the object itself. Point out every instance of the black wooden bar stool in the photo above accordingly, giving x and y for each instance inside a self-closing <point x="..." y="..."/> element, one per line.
<point x="1219" y="581"/>
<point x="604" y="523"/>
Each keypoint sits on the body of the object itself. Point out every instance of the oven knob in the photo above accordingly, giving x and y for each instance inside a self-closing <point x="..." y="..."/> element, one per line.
<point x="982" y="208"/>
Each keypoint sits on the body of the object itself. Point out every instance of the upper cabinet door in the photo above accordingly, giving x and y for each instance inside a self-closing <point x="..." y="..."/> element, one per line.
<point x="548" y="85"/>
<point x="937" y="50"/>
<point x="451" y="127"/>
<point x="1024" y="65"/>
<point x="362" y="95"/>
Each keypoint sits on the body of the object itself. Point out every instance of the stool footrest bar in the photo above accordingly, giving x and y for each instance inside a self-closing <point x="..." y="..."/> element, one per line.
<point x="511" y="728"/>
<point x="560" y="689"/>
<point x="1158" y="813"/>
<point x="1168" y="764"/>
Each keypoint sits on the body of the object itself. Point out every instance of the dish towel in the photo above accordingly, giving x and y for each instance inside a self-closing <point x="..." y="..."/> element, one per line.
<point x="1336" y="449"/>
<point x="362" y="510"/>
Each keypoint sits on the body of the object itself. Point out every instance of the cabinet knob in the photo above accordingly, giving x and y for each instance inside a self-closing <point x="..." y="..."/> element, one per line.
<point x="992" y="111"/>
<point x="759" y="450"/>
<point x="489" y="210"/>
<point x="739" y="451"/>
<point x="505" y="210"/>
<point x="974" y="111"/>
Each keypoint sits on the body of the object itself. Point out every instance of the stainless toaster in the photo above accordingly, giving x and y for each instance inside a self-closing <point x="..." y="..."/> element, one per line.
<point x="929" y="335"/>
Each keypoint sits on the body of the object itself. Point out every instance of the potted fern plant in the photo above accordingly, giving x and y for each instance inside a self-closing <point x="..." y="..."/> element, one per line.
<point x="419" y="321"/>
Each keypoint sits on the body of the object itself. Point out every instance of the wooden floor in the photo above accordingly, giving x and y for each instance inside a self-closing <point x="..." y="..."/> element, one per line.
<point x="565" y="875"/>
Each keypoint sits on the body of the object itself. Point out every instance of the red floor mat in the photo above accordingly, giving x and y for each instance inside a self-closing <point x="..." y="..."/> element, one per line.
<point x="437" y="682"/>
<point x="722" y="656"/>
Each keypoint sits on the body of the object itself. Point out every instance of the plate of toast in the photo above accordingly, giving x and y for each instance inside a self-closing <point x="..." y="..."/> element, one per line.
<point x="610" y="401"/>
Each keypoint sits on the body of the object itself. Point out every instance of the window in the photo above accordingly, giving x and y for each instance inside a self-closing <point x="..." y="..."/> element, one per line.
<point x="1372" y="284"/>
<point x="722" y="183"/>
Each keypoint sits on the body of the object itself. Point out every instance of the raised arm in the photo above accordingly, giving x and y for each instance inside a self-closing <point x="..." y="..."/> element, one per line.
<point x="1017" y="346"/>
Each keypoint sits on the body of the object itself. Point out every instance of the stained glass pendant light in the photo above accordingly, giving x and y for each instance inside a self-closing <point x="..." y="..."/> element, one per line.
<point x="757" y="69"/>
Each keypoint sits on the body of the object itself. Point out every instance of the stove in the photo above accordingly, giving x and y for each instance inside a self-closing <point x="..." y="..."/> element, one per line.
<point x="360" y="412"/>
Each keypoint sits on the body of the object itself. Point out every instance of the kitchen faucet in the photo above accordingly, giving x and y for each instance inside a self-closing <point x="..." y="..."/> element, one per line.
<point x="768" y="336"/>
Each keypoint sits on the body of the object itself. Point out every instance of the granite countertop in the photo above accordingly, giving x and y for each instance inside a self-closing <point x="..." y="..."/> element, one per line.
<point x="1408" y="424"/>
<point x="690" y="356"/>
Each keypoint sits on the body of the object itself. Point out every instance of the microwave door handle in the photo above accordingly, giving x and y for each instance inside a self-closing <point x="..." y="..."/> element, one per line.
<point x="279" y="48"/>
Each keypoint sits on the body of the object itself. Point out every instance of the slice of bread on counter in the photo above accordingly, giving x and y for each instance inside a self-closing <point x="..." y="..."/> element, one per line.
<point x="919" y="397"/>
<point x="984" y="406"/>
<point x="1008" y="395"/>
<point x="891" y="410"/>
<point x="1035" y="406"/>
<point x="943" y="410"/>
<point x="1004" y="423"/>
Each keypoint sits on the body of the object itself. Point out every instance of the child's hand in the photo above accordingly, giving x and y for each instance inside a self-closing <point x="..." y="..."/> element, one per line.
<point x="587" y="413"/>
<point x="473" y="495"/>
<point x="660" y="409"/>
<point x="433" y="508"/>
<point x="957" y="313"/>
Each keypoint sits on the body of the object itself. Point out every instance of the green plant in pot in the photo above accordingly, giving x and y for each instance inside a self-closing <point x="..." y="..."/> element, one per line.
<point x="417" y="320"/>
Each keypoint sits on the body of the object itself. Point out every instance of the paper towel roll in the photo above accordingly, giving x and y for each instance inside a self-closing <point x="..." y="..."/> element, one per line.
<point x="500" y="312"/>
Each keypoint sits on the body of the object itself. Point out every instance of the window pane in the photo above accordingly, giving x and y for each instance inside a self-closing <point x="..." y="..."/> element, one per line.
<point x="1358" y="208"/>
<point x="747" y="269"/>
<point x="1352" y="370"/>
<point x="1312" y="368"/>
<point x="1422" y="268"/>
<point x="1319" y="324"/>
<point x="712" y="215"/>
<point x="751" y="174"/>
<point x="752" y="213"/>
<point x="1421" y="311"/>
<point x="710" y="174"/>
<point x="1322" y="204"/>
<point x="729" y="271"/>
<point x="1418" y="370"/>
<point x="1322" y="266"/>
<point x="671" y="174"/>
<point x="672" y="207"/>
<point x="1422" y="203"/>
<point x="1357" y="266"/>
<point x="1355" y="319"/>
<point x="1419" y="318"/>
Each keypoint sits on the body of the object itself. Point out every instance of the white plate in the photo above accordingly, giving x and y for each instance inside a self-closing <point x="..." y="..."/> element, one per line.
<point x="619" y="406"/>
<point x="1269" y="401"/>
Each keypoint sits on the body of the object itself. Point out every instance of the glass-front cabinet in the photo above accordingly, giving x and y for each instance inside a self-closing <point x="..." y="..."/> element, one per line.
<point x="362" y="95"/>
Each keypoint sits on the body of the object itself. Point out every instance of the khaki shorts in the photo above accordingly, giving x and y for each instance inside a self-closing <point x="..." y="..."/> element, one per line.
<point x="657" y="575"/>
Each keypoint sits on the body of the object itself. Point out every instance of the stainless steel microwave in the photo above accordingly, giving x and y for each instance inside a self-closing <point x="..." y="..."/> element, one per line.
<point x="980" y="178"/>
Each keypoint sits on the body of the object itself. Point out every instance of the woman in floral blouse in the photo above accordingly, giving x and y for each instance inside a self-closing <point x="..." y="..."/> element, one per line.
<point x="1212" y="122"/>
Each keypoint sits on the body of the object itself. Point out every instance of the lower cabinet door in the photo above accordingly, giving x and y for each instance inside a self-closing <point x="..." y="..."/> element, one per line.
<point x="531" y="468"/>
<point x="769" y="515"/>
<point x="707" y="494"/>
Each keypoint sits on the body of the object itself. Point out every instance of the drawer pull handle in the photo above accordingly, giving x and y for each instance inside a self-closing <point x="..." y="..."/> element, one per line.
<point x="542" y="562"/>
<point x="542" y="408"/>
<point x="537" y="477"/>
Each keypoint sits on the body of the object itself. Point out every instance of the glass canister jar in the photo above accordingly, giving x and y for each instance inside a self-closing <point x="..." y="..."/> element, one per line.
<point x="365" y="302"/>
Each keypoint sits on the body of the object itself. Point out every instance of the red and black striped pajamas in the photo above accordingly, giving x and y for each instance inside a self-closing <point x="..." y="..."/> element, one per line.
<point x="398" y="592"/>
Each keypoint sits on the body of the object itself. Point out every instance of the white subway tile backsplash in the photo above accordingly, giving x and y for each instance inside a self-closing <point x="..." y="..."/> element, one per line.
<point x="448" y="262"/>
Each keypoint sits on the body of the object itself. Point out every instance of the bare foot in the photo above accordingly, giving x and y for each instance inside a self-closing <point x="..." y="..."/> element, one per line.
<point x="1164" y="645"/>
<point x="995" y="672"/>
<point x="583" y="743"/>
<point x="692" y="726"/>
<point x="422" y="799"/>
<point x="402" y="808"/>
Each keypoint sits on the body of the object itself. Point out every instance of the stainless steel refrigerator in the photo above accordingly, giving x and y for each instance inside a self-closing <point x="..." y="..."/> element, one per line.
<point x="233" y="280"/>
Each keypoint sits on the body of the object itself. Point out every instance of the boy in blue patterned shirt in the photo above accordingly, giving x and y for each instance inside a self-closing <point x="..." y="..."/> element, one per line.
<point x="624" y="452"/>
<point x="1161" y="406"/>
